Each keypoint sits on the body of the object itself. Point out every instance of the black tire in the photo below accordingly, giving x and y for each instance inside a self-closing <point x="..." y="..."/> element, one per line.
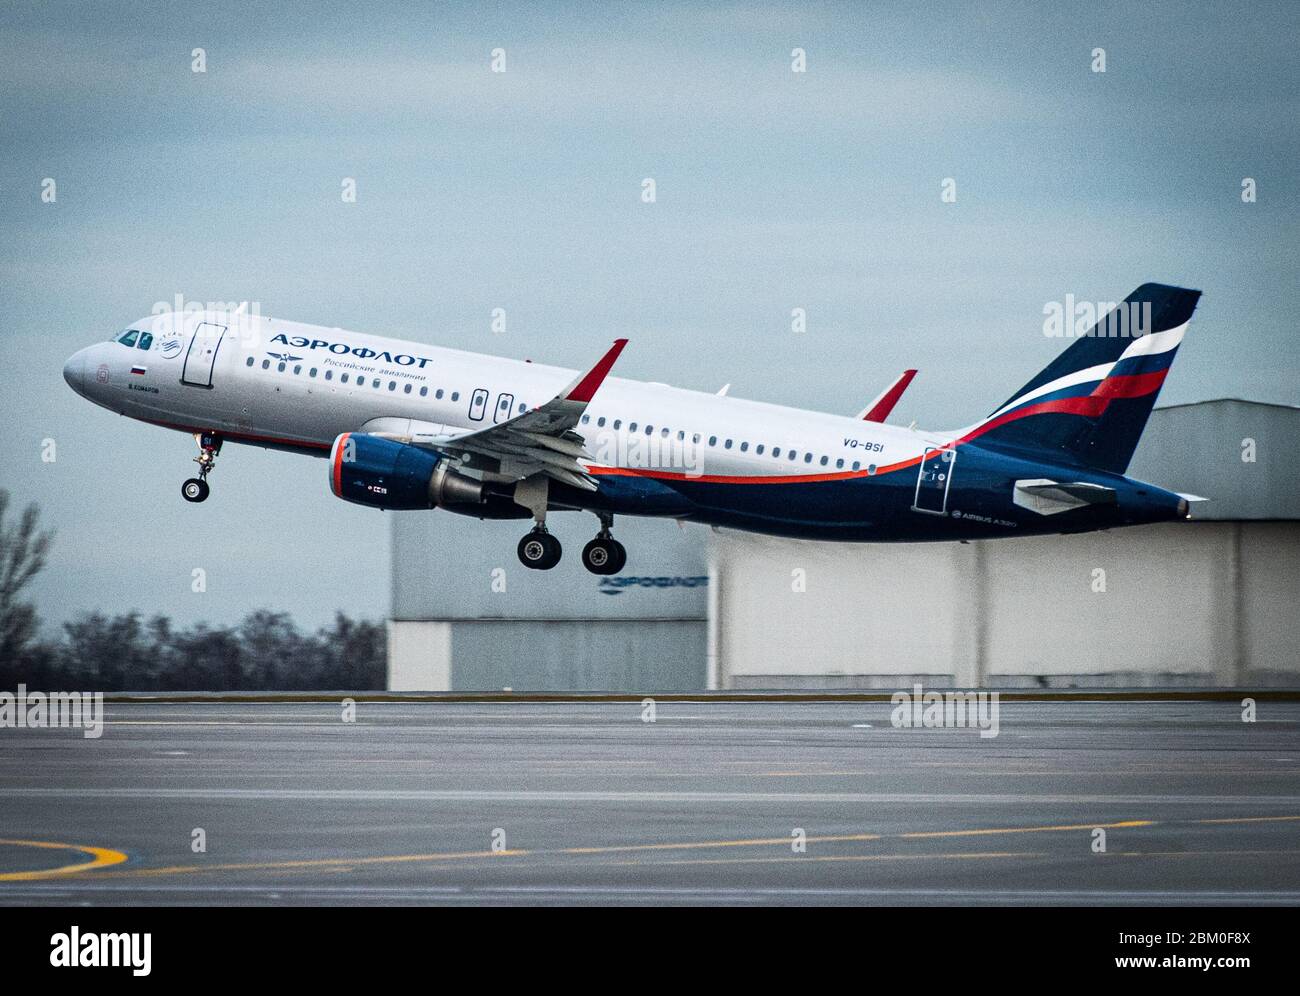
<point x="539" y="551"/>
<point x="195" y="490"/>
<point x="553" y="551"/>
<point x="619" y="560"/>
<point x="598" y="556"/>
<point x="532" y="551"/>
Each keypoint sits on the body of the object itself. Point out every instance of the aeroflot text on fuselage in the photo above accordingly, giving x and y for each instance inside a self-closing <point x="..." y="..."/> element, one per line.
<point x="360" y="352"/>
<point x="408" y="425"/>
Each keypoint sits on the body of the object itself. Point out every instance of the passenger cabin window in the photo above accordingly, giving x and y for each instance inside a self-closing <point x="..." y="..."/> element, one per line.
<point x="248" y="362"/>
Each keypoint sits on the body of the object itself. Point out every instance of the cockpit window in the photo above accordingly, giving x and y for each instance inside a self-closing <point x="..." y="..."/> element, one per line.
<point x="129" y="338"/>
<point x="146" y="340"/>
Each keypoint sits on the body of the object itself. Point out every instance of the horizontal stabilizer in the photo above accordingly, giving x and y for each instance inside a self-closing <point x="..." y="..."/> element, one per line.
<point x="1048" y="497"/>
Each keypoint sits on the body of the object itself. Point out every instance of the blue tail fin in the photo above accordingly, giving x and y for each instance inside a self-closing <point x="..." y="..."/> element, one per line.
<point x="1090" y="405"/>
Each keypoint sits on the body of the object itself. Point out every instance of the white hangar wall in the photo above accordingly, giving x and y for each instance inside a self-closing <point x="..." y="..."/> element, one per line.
<point x="467" y="616"/>
<point x="1201" y="603"/>
<point x="1207" y="602"/>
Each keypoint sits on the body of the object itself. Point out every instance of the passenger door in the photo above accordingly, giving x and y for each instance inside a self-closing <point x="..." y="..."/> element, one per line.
<point x="202" y="354"/>
<point x="934" y="479"/>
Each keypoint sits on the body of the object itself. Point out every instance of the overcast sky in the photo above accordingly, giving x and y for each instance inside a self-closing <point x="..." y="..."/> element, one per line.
<point x="522" y="190"/>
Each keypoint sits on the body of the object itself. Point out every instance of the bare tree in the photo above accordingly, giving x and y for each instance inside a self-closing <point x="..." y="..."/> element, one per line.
<point x="22" y="555"/>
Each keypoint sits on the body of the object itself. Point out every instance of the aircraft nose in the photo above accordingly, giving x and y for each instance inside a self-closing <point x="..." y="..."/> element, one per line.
<point x="74" y="371"/>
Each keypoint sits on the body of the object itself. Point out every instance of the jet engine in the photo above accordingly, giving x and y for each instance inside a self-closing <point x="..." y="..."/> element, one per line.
<point x="383" y="473"/>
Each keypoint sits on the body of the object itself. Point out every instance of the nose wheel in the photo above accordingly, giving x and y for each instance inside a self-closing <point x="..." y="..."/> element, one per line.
<point x="539" y="550"/>
<point x="604" y="554"/>
<point x="196" y="489"/>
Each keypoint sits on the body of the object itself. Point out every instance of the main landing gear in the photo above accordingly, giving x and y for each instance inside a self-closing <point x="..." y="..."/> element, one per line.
<point x="604" y="554"/>
<point x="196" y="488"/>
<point x="541" y="551"/>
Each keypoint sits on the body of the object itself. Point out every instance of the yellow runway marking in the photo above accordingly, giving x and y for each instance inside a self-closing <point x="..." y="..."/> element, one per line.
<point x="1073" y="826"/>
<point x="695" y="845"/>
<point x="326" y="863"/>
<point x="976" y="855"/>
<point x="105" y="857"/>
<point x="101" y="857"/>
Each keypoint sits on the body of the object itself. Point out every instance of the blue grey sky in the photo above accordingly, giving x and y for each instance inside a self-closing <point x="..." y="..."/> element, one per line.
<point x="521" y="190"/>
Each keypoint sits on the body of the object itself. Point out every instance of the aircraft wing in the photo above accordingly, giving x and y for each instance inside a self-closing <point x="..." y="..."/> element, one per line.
<point x="879" y="409"/>
<point x="538" y="441"/>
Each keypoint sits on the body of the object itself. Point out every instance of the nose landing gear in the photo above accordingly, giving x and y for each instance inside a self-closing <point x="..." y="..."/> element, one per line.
<point x="196" y="488"/>
<point x="604" y="554"/>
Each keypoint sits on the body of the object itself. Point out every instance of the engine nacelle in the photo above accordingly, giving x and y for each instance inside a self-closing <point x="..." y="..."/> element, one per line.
<point x="383" y="473"/>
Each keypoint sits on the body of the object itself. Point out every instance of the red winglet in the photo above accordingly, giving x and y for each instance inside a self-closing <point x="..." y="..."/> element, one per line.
<point x="885" y="403"/>
<point x="585" y="388"/>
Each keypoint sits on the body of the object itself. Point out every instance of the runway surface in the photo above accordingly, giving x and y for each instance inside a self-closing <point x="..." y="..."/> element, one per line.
<point x="592" y="805"/>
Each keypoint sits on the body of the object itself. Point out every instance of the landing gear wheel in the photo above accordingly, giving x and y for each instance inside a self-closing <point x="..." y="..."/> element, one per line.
<point x="604" y="555"/>
<point x="598" y="556"/>
<point x="540" y="551"/>
<point x="195" y="490"/>
<point x="620" y="557"/>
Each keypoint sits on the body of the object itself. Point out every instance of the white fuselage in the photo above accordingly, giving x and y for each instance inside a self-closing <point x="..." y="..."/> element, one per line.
<point x="298" y="386"/>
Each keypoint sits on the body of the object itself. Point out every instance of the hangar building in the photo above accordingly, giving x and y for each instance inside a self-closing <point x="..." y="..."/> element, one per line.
<point x="1207" y="602"/>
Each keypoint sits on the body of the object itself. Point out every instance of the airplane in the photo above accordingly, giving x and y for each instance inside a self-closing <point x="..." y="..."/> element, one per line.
<point x="409" y="426"/>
